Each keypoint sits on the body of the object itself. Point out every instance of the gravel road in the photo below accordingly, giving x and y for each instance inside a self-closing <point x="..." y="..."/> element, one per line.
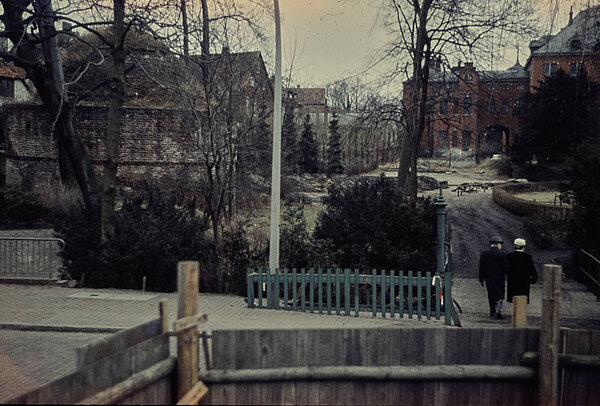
<point x="475" y="218"/>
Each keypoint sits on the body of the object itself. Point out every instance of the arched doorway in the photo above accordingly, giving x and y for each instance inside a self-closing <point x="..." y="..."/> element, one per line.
<point x="495" y="139"/>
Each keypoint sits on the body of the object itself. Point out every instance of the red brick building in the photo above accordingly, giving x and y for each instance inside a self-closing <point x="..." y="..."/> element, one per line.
<point x="472" y="112"/>
<point x="576" y="46"/>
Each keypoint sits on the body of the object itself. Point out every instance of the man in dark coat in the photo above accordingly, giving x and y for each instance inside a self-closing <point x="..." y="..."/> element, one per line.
<point x="492" y="267"/>
<point x="521" y="271"/>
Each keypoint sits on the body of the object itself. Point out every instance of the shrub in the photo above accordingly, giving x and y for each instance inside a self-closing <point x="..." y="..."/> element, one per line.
<point x="372" y="225"/>
<point x="20" y="208"/>
<point x="151" y="236"/>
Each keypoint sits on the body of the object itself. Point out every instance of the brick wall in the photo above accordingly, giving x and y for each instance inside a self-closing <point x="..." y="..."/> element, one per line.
<point x="155" y="143"/>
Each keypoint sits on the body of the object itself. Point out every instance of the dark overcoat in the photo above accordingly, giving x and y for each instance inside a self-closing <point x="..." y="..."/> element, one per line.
<point x="492" y="268"/>
<point x="521" y="273"/>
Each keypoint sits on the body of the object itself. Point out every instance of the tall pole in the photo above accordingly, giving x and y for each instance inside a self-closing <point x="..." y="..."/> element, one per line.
<point x="276" y="165"/>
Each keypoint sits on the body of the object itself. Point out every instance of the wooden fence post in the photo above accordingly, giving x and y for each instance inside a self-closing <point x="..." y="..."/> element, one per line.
<point x="548" y="389"/>
<point x="519" y="316"/>
<point x="187" y="339"/>
<point x="163" y="307"/>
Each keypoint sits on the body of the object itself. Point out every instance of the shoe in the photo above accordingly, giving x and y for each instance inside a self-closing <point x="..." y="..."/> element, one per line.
<point x="498" y="316"/>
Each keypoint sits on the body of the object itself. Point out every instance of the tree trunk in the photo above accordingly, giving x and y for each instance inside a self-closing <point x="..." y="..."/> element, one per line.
<point x="186" y="40"/>
<point x="48" y="79"/>
<point x="416" y="109"/>
<point x="115" y="119"/>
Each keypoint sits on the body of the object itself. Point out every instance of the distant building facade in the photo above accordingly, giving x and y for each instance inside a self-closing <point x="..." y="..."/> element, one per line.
<point x="472" y="112"/>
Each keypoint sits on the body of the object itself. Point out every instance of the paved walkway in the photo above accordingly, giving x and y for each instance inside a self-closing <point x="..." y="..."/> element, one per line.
<point x="41" y="326"/>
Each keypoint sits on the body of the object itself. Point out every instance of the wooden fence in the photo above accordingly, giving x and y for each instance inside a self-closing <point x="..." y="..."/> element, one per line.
<point x="134" y="366"/>
<point x="130" y="367"/>
<point x="389" y="294"/>
<point x="410" y="366"/>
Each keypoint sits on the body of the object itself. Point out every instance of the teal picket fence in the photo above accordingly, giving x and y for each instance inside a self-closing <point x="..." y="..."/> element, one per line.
<point x="326" y="291"/>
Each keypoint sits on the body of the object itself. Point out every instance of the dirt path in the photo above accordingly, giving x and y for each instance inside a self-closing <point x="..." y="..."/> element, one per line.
<point x="475" y="218"/>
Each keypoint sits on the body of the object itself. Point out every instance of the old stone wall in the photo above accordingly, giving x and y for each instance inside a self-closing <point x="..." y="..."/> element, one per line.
<point x="156" y="144"/>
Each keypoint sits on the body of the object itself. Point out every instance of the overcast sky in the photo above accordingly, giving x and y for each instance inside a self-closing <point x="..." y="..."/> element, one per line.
<point x="333" y="39"/>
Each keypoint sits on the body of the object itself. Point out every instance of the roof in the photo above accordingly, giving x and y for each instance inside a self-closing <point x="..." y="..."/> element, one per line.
<point x="10" y="71"/>
<point x="581" y="36"/>
<point x="308" y="96"/>
<point x="515" y="72"/>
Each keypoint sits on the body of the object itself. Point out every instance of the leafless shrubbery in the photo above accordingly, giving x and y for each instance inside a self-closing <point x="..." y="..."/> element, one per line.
<point x="58" y="198"/>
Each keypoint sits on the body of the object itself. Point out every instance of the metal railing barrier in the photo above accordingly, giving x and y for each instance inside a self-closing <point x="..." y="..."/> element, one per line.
<point x="23" y="257"/>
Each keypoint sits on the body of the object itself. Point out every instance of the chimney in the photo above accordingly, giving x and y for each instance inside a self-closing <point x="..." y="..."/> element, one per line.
<point x="571" y="16"/>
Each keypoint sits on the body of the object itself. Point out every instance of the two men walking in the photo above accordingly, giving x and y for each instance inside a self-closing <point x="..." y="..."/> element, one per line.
<point x="494" y="264"/>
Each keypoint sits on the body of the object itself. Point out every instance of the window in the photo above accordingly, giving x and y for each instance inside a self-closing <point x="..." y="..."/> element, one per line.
<point x="7" y="88"/>
<point x="444" y="107"/>
<point x="442" y="140"/>
<point x="506" y="87"/>
<point x="455" y="107"/>
<point x="575" y="44"/>
<point x="491" y="87"/>
<point x="518" y="105"/>
<point x="467" y="106"/>
<point x="521" y="87"/>
<point x="574" y="68"/>
<point x="491" y="106"/>
<point x="454" y="138"/>
<point x="504" y="107"/>
<point x="466" y="140"/>
<point x="252" y="83"/>
<point x="468" y="78"/>
<point x="549" y="69"/>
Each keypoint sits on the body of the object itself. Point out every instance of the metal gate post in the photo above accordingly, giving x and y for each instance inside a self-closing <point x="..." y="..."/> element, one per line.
<point x="440" y="211"/>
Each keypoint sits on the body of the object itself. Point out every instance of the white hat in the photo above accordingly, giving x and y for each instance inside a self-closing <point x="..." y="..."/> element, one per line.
<point x="519" y="242"/>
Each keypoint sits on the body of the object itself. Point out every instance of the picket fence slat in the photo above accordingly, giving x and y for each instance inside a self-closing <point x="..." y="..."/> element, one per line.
<point x="382" y="293"/>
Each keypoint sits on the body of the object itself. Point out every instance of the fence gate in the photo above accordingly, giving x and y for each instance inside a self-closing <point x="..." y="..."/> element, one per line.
<point x="30" y="257"/>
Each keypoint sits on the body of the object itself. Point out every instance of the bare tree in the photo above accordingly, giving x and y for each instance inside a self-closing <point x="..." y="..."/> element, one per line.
<point x="29" y="25"/>
<point x="424" y="31"/>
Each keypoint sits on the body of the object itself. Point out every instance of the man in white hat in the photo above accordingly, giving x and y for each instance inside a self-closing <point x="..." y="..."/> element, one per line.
<point x="521" y="272"/>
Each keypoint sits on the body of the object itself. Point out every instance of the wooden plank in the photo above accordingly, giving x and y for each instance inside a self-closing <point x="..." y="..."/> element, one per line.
<point x="163" y="310"/>
<point x="311" y="293"/>
<point x="401" y="293"/>
<point x="303" y="289"/>
<point x="294" y="289"/>
<point x="419" y="295"/>
<point x="364" y="373"/>
<point x="286" y="281"/>
<point x="106" y="346"/>
<point x="383" y="295"/>
<point x="519" y="315"/>
<point x="347" y="292"/>
<point x="188" y="322"/>
<point x="329" y="281"/>
<point x="338" y="292"/>
<point x="250" y="281"/>
<point x="392" y="294"/>
<point x="101" y="374"/>
<point x="356" y="293"/>
<point x="187" y="340"/>
<point x="132" y="384"/>
<point x="549" y="336"/>
<point x="410" y="294"/>
<point x="374" y="292"/>
<point x="428" y="294"/>
<point x="320" y="287"/>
